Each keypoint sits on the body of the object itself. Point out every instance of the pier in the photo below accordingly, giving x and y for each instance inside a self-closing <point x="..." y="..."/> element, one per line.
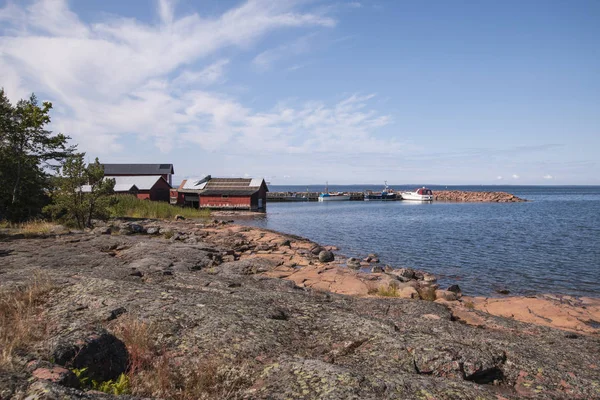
<point x="439" y="195"/>
<point x="306" y="196"/>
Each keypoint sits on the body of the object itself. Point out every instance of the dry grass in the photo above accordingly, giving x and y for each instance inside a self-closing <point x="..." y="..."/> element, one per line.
<point x="30" y="228"/>
<point x="427" y="293"/>
<point x="153" y="372"/>
<point x="469" y="304"/>
<point x="390" y="290"/>
<point x="22" y="322"/>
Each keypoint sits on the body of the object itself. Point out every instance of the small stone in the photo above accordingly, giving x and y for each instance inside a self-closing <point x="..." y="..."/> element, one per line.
<point x="316" y="250"/>
<point x="152" y="231"/>
<point x="136" y="228"/>
<point x="326" y="256"/>
<point x="446" y="295"/>
<point x="102" y="230"/>
<point x="179" y="218"/>
<point x="114" y="314"/>
<point x="58" y="375"/>
<point x="454" y="288"/>
<point x="376" y="269"/>
<point x="353" y="263"/>
<point x="503" y="291"/>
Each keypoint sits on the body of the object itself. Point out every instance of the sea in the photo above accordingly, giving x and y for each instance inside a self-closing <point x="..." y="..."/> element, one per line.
<point x="550" y="244"/>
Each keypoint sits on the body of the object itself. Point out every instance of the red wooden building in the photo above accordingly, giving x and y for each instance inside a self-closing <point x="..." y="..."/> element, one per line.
<point x="223" y="193"/>
<point x="154" y="188"/>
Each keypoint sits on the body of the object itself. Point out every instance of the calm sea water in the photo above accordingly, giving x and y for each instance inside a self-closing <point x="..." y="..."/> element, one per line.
<point x="548" y="245"/>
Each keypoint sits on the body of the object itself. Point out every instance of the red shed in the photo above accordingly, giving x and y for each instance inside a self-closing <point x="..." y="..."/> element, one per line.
<point x="225" y="193"/>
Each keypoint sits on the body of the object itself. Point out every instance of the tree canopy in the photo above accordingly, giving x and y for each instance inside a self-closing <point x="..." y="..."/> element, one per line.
<point x="81" y="193"/>
<point x="29" y="152"/>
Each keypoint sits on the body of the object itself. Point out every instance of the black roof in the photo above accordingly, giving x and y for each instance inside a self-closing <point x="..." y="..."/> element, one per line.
<point x="138" y="169"/>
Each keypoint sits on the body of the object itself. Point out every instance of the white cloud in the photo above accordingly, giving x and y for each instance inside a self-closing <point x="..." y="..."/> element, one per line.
<point x="548" y="177"/>
<point x="515" y="176"/>
<point x="499" y="178"/>
<point x="124" y="78"/>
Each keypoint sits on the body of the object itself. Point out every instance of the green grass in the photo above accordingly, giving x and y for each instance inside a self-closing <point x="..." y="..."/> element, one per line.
<point x="132" y="207"/>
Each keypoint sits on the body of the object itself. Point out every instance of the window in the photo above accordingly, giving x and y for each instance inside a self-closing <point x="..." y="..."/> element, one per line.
<point x="224" y="196"/>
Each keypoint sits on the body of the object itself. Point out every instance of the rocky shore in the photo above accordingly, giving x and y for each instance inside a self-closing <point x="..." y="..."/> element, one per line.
<point x="476" y="197"/>
<point x="215" y="310"/>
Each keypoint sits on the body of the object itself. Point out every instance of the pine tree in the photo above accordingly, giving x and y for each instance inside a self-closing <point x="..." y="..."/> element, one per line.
<point x="81" y="193"/>
<point x="28" y="153"/>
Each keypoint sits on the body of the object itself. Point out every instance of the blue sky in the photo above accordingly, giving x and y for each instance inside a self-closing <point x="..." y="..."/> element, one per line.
<point x="308" y="91"/>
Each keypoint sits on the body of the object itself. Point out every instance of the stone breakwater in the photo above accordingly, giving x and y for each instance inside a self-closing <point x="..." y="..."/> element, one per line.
<point x="476" y="197"/>
<point x="281" y="316"/>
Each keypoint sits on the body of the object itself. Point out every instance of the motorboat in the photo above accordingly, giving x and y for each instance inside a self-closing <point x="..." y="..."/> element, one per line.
<point x="335" y="196"/>
<point x="385" y="195"/>
<point x="420" y="194"/>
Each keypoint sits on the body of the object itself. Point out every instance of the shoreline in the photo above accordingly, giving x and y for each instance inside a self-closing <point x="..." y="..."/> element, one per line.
<point x="299" y="262"/>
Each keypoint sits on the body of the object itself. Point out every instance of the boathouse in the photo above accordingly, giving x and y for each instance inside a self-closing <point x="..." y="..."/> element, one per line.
<point x="164" y="170"/>
<point x="223" y="193"/>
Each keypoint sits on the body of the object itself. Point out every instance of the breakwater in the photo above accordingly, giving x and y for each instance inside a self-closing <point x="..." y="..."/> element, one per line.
<point x="441" y="195"/>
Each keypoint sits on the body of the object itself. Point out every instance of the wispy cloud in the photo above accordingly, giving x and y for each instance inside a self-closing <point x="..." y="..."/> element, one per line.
<point x="214" y="73"/>
<point x="548" y="177"/>
<point x="267" y="58"/>
<point x="122" y="77"/>
<point x="515" y="176"/>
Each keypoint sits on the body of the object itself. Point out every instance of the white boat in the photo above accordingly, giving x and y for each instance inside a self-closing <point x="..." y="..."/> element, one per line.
<point x="420" y="194"/>
<point x="333" y="196"/>
<point x="336" y="196"/>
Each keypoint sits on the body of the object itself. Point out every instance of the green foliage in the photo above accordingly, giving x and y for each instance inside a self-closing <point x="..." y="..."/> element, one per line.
<point x="81" y="374"/>
<point x="132" y="207"/>
<point x="81" y="193"/>
<point x="118" y="387"/>
<point x="28" y="153"/>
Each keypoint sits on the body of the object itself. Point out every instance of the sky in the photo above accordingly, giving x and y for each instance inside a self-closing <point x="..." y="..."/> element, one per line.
<point x="309" y="91"/>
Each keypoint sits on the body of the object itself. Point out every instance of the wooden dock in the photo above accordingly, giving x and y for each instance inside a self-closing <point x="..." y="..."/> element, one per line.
<point x="306" y="196"/>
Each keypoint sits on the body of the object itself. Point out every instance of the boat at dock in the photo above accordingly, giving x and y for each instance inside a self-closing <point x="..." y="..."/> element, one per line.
<point x="385" y="195"/>
<point x="333" y="196"/>
<point x="336" y="196"/>
<point x="420" y="194"/>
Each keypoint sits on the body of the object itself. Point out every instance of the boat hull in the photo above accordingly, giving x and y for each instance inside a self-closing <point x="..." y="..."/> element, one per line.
<point x="375" y="197"/>
<point x="417" y="197"/>
<point x="334" y="198"/>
